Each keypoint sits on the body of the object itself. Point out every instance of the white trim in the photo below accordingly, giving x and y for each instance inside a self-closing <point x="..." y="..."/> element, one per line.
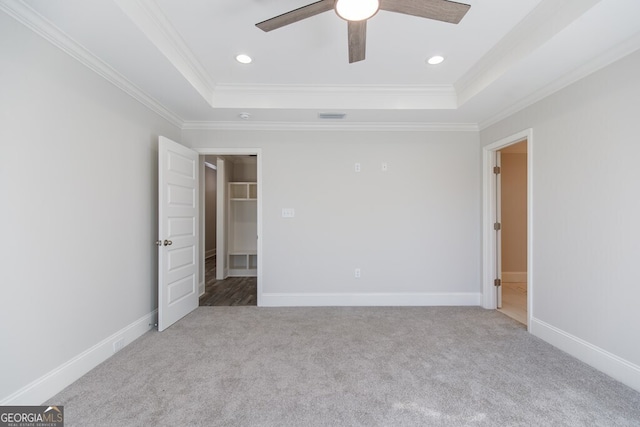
<point x="332" y="126"/>
<point x="202" y="168"/>
<point x="488" y="213"/>
<point x="543" y="23"/>
<point x="618" y="368"/>
<point x="336" y="97"/>
<point x="41" y="26"/>
<point x="415" y="96"/>
<point x="618" y="52"/>
<point x="514" y="276"/>
<point x="240" y="151"/>
<point x="55" y="381"/>
<point x="370" y="299"/>
<point x="242" y="272"/>
<point x="243" y="151"/>
<point x="150" y="19"/>
<point x="351" y="89"/>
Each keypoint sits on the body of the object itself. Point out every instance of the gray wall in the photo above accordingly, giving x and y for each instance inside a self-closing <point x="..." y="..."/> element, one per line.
<point x="412" y="230"/>
<point x="586" y="205"/>
<point x="78" y="179"/>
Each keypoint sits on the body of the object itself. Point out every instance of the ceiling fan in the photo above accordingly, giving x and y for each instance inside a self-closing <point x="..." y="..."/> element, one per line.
<point x="357" y="12"/>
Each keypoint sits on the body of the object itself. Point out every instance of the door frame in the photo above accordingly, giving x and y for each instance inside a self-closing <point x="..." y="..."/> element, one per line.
<point x="236" y="152"/>
<point x="489" y="197"/>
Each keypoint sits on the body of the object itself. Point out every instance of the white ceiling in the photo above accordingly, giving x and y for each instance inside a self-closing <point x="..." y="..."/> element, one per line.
<point x="178" y="56"/>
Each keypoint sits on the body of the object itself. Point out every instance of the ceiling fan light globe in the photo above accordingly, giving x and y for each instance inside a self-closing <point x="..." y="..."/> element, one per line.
<point x="357" y="10"/>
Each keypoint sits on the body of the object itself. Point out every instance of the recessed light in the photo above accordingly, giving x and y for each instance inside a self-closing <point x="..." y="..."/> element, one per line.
<point x="435" y="60"/>
<point x="244" y="59"/>
<point x="244" y="116"/>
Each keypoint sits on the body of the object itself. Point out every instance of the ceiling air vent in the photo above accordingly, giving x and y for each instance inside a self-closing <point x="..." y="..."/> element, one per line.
<point x="332" y="116"/>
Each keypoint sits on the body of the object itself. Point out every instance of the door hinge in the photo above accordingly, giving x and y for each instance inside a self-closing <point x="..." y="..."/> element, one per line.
<point x="496" y="170"/>
<point x="497" y="226"/>
<point x="497" y="282"/>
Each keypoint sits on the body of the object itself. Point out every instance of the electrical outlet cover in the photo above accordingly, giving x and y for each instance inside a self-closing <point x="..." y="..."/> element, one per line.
<point x="118" y="345"/>
<point x="288" y="212"/>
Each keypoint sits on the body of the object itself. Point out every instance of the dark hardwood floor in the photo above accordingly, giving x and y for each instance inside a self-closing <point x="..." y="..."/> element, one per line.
<point x="230" y="291"/>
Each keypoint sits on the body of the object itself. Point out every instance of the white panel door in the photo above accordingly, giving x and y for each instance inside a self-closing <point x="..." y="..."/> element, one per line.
<point x="177" y="232"/>
<point x="498" y="164"/>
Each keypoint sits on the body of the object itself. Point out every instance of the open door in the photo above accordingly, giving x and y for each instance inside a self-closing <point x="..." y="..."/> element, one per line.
<point x="498" y="227"/>
<point x="177" y="232"/>
<point x="493" y="207"/>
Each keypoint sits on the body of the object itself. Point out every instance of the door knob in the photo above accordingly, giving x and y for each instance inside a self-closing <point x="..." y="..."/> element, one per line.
<point x="168" y="242"/>
<point x="159" y="242"/>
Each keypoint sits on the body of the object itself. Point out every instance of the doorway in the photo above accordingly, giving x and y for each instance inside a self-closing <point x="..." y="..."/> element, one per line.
<point x="512" y="249"/>
<point x="230" y="269"/>
<point x="511" y="275"/>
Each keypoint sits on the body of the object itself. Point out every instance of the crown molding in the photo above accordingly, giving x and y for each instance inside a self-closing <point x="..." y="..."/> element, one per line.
<point x="541" y="24"/>
<point x="625" y="48"/>
<point x="339" y="127"/>
<point x="397" y="97"/>
<point x="364" y="96"/>
<point x="150" y="19"/>
<point x="24" y="14"/>
<point x="544" y="22"/>
<point x="293" y="95"/>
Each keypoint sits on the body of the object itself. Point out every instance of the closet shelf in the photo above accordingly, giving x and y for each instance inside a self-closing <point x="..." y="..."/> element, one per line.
<point x="242" y="250"/>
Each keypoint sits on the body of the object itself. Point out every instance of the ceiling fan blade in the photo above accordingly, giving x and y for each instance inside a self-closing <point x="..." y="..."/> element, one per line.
<point x="440" y="10"/>
<point x="357" y="40"/>
<point x="296" y="15"/>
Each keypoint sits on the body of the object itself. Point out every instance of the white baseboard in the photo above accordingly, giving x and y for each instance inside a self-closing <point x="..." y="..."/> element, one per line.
<point x="242" y="272"/>
<point x="514" y="276"/>
<point x="612" y="365"/>
<point x="371" y="299"/>
<point x="55" y="381"/>
<point x="224" y="274"/>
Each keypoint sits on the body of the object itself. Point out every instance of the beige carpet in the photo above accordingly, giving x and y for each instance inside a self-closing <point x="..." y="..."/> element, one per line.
<point x="433" y="366"/>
